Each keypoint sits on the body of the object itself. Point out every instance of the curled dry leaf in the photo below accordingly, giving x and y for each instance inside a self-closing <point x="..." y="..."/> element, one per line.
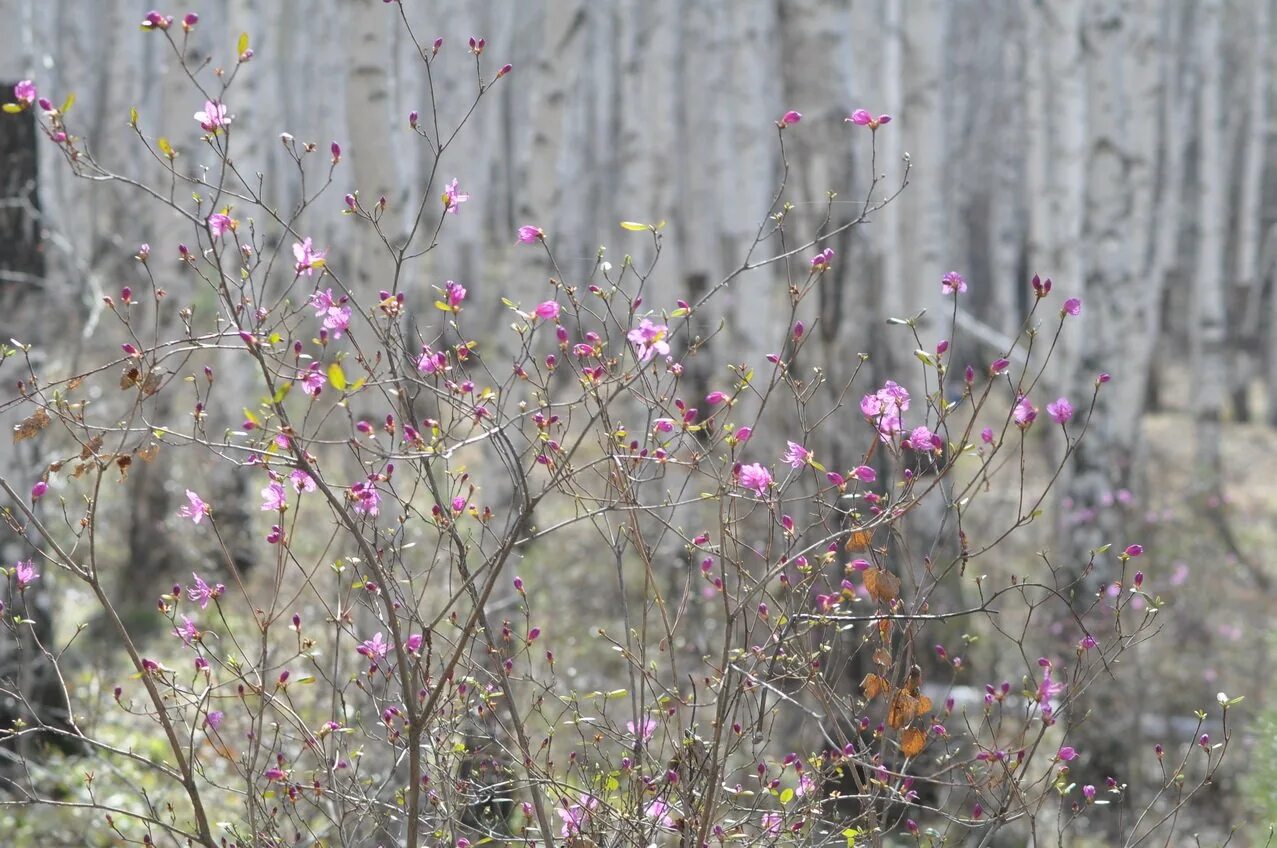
<point x="883" y="586"/>
<point x="31" y="425"/>
<point x="873" y="685"/>
<point x="912" y="741"/>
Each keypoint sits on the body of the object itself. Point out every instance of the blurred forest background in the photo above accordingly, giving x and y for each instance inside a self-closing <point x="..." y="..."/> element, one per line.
<point x="1121" y="147"/>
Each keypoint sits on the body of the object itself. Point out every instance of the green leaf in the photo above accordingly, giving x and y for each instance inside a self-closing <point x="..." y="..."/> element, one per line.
<point x="133" y="116"/>
<point x="281" y="392"/>
<point x="165" y="147"/>
<point x="337" y="377"/>
<point x="786" y="796"/>
<point x="242" y="44"/>
<point x="70" y="101"/>
<point x="635" y="226"/>
<point x="12" y="109"/>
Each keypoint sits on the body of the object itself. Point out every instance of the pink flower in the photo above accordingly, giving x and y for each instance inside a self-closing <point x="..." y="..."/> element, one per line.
<point x="986" y="435"/>
<point x="884" y="408"/>
<point x="755" y="477"/>
<point x="1025" y="413"/>
<point x="214" y="116"/>
<point x="1048" y="688"/>
<point x="531" y="235"/>
<point x="789" y="119"/>
<point x="864" y="474"/>
<point x="24" y="92"/>
<point x="548" y="311"/>
<point x="1041" y="287"/>
<point x="796" y="455"/>
<point x="953" y="283"/>
<point x="1073" y="306"/>
<point x="39" y="490"/>
<point x="453" y="198"/>
<point x="743" y="434"/>
<point x="771" y="823"/>
<point x="335" y="314"/>
<point x="643" y="730"/>
<point x="1134" y="550"/>
<point x="924" y="441"/>
<point x="821" y="262"/>
<point x="414" y="642"/>
<point x="375" y="648"/>
<point x="1067" y="753"/>
<point x="659" y="811"/>
<point x="274" y="497"/>
<point x="649" y="340"/>
<point x="25" y="573"/>
<point x="219" y="223"/>
<point x="214" y="719"/>
<point x="431" y="361"/>
<point x="302" y="482"/>
<point x="1088" y="791"/>
<point x="998" y="366"/>
<point x="367" y="498"/>
<point x="453" y="295"/>
<point x="714" y="398"/>
<point x="313" y="380"/>
<point x="186" y="631"/>
<point x="308" y="259"/>
<point x="202" y="593"/>
<point x="275" y="775"/>
<point x="195" y="510"/>
<point x="577" y="816"/>
<point x="1060" y="410"/>
<point x="862" y="117"/>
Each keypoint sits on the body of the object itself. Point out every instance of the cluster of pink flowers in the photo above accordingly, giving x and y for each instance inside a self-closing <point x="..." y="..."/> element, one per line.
<point x="863" y="118"/>
<point x="822" y="261"/>
<point x="308" y="259"/>
<point x="884" y="409"/>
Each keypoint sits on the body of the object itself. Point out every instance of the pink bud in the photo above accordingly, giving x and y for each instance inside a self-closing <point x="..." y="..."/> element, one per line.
<point x="505" y="69"/>
<point x="38" y="490"/>
<point x="336" y="151"/>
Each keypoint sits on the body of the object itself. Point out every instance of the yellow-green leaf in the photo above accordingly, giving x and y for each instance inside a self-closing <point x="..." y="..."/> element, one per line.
<point x="165" y="147"/>
<point x="337" y="377"/>
<point x="634" y="226"/>
<point x="249" y="416"/>
<point x="133" y="116"/>
<point x="281" y="392"/>
<point x="70" y="101"/>
<point x="242" y="44"/>
<point x="12" y="108"/>
<point x="786" y="796"/>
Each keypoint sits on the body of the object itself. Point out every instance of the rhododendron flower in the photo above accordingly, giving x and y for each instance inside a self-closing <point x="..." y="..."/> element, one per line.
<point x="1088" y="791"/>
<point x="771" y="823"/>
<point x="1048" y="688"/>
<point x="648" y="339"/>
<point x="219" y="223"/>
<point x="201" y="593"/>
<point x="214" y="116"/>
<point x="530" y="234"/>
<point x="953" y="283"/>
<point x="431" y="361"/>
<point x="196" y="509"/>
<point x="1024" y="413"/>
<point x="576" y="817"/>
<point x="1067" y="753"/>
<point x="452" y="198"/>
<point x="756" y="477"/>
<point x="923" y="440"/>
<point x="643" y="730"/>
<point x="1041" y="287"/>
<point x="796" y="455"/>
<point x="453" y="294"/>
<point x="313" y="380"/>
<point x="1060" y="410"/>
<point x="302" y="482"/>
<point x="714" y="398"/>
<point x="1073" y="306"/>
<point x="214" y="719"/>
<point x="39" y="490"/>
<point x="821" y="262"/>
<point x="548" y="311"/>
<point x="864" y="474"/>
<point x="986" y="435"/>
<point x="274" y="497"/>
<point x="25" y="93"/>
<point x="884" y="408"/>
<point x="186" y="631"/>
<point x="789" y="119"/>
<point x="308" y="259"/>
<point x="659" y="811"/>
<point x="375" y="648"/>
<point x="863" y="118"/>
<point x="335" y="314"/>
<point x="1134" y="550"/>
<point x="25" y="573"/>
<point x="367" y="498"/>
<point x="998" y="366"/>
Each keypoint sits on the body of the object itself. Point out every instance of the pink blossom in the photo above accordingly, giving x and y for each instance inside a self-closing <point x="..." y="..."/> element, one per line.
<point x="884" y="408"/>
<point x="375" y="648"/>
<point x="1134" y="550"/>
<point x="431" y="361"/>
<point x="576" y="817"/>
<point x="863" y="118"/>
<point x="335" y="313"/>
<point x="453" y="198"/>
<point x="308" y="259"/>
<point x="923" y="440"/>
<point x="986" y="435"/>
<point x="756" y="477"/>
<point x="649" y="339"/>
<point x="1060" y="410"/>
<point x="453" y="294"/>
<point x="531" y="235"/>
<point x="743" y="434"/>
<point x="1041" y="287"/>
<point x="1088" y="791"/>
<point x="186" y="631"/>
<point x="548" y="311"/>
<point x="202" y="593"/>
<point x="1073" y="306"/>
<point x="214" y="719"/>
<point x="274" y="497"/>
<point x="821" y="262"/>
<point x="789" y="119"/>
<point x="313" y="380"/>
<point x="643" y="730"/>
<point x="367" y="498"/>
<point x="413" y="643"/>
<point x="1024" y="413"/>
<point x="771" y="823"/>
<point x="998" y="366"/>
<point x="1048" y="688"/>
<point x="864" y="474"/>
<point x="796" y="455"/>
<point x="219" y="223"/>
<point x="196" y="509"/>
<point x="659" y="811"/>
<point x="1067" y="753"/>
<point x="714" y="398"/>
<point x="213" y="117"/>
<point x="25" y="573"/>
<point x="302" y="482"/>
<point x="25" y="93"/>
<point x="39" y="490"/>
<point x="953" y="283"/>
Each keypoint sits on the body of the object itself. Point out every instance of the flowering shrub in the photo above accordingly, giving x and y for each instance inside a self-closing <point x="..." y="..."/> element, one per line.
<point x="393" y="674"/>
